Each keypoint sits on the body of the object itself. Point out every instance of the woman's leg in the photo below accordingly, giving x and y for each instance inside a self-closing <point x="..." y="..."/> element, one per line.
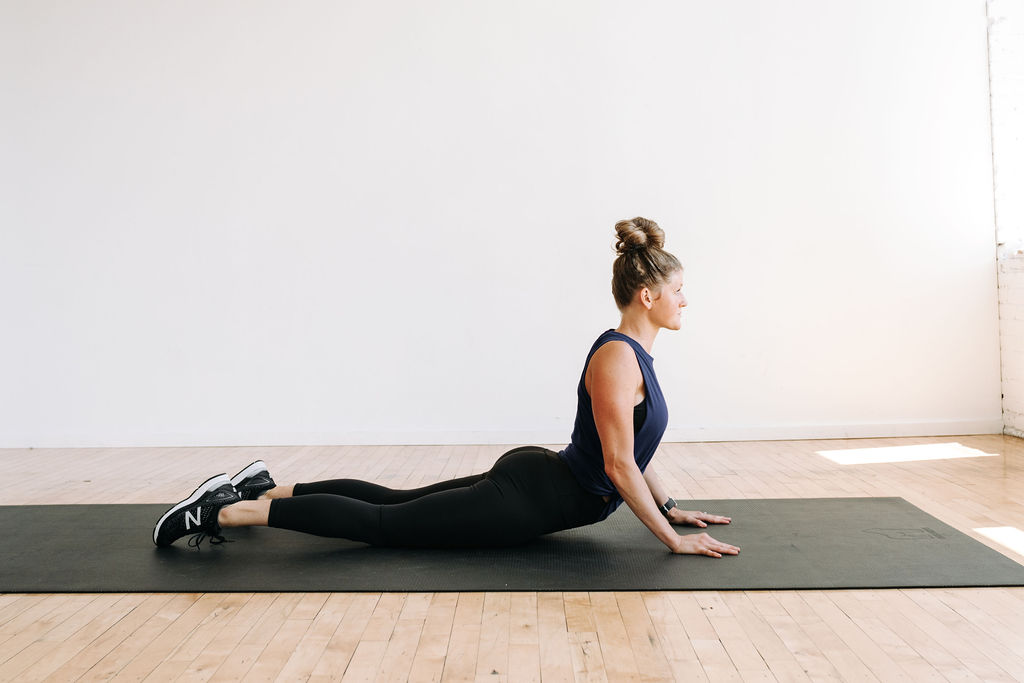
<point x="446" y="518"/>
<point x="245" y="513"/>
<point x="510" y="504"/>
<point x="376" y="494"/>
<point x="256" y="512"/>
<point x="526" y="494"/>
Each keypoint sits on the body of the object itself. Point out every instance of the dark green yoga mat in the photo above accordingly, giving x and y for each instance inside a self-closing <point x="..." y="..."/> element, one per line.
<point x="786" y="544"/>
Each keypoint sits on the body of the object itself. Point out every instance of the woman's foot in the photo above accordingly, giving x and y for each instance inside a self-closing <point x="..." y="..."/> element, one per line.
<point x="253" y="481"/>
<point x="198" y="513"/>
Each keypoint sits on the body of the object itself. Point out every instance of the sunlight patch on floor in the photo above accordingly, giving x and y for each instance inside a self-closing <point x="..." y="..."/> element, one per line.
<point x="1007" y="536"/>
<point x="890" y="454"/>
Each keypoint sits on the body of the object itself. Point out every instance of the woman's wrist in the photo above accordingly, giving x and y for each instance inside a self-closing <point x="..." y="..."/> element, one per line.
<point x="668" y="506"/>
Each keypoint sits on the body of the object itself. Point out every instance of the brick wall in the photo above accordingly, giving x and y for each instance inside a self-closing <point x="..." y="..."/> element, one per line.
<point x="1011" y="342"/>
<point x="1006" y="81"/>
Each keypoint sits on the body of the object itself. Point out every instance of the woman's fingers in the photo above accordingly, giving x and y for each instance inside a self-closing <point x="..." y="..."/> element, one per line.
<point x="717" y="547"/>
<point x="728" y="549"/>
<point x="702" y="519"/>
<point x="702" y="544"/>
<point x="715" y="519"/>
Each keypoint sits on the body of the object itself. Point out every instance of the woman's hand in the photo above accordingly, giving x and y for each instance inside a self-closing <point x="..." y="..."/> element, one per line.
<point x="694" y="518"/>
<point x="702" y="544"/>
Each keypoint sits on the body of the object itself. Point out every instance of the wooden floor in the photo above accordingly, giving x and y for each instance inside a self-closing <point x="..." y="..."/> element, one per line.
<point x="969" y="482"/>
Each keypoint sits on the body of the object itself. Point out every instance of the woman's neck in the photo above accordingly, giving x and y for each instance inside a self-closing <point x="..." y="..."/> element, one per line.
<point x="638" y="328"/>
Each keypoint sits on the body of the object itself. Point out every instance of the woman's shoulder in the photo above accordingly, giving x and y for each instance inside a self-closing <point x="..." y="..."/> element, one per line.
<point x="625" y="340"/>
<point x="613" y="368"/>
<point x="623" y="344"/>
<point x="607" y="337"/>
<point x="615" y="355"/>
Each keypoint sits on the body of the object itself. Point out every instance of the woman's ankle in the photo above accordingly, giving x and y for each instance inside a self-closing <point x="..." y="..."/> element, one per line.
<point x="225" y="516"/>
<point x="278" y="492"/>
<point x="244" y="513"/>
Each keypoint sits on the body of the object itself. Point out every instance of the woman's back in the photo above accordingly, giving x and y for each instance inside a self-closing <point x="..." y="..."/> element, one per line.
<point x="584" y="454"/>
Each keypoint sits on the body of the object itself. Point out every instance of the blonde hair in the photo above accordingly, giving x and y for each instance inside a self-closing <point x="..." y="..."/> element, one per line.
<point x="641" y="262"/>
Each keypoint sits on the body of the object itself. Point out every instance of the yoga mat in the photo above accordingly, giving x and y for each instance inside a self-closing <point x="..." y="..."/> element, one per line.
<point x="805" y="543"/>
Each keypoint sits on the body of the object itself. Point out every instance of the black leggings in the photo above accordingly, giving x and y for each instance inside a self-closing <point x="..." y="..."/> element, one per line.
<point x="528" y="492"/>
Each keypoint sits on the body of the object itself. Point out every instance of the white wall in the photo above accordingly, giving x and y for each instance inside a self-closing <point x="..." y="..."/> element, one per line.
<point x="318" y="222"/>
<point x="1006" y="86"/>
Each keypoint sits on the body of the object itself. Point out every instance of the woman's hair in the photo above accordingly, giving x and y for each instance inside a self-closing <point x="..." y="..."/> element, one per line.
<point x="641" y="262"/>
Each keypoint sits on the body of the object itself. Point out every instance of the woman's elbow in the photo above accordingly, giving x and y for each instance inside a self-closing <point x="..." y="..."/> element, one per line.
<point x="618" y="468"/>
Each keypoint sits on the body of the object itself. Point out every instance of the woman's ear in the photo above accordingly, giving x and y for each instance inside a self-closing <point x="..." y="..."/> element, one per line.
<point x="646" y="299"/>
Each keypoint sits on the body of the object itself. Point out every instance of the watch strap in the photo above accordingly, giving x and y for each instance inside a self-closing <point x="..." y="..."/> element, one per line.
<point x="667" y="505"/>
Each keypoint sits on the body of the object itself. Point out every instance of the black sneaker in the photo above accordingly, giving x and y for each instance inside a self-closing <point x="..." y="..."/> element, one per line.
<point x="197" y="514"/>
<point x="252" y="481"/>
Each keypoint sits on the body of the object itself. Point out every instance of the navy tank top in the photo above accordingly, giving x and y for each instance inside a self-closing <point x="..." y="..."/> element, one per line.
<point x="583" y="455"/>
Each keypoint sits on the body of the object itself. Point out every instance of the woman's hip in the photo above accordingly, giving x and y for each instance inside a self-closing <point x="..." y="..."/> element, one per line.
<point x="541" y="476"/>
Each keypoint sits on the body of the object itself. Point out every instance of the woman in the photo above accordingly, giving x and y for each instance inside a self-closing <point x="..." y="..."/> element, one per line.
<point x="530" y="491"/>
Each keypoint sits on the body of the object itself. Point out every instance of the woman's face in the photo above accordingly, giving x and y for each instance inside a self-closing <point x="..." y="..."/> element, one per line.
<point x="667" y="309"/>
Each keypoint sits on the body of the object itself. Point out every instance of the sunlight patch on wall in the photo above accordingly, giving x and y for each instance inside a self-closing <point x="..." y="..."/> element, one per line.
<point x="891" y="454"/>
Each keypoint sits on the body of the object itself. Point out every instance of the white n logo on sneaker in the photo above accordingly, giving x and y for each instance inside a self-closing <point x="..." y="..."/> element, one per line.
<point x="191" y="520"/>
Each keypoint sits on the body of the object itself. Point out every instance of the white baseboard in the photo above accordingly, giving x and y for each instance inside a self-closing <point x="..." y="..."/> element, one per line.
<point x="683" y="434"/>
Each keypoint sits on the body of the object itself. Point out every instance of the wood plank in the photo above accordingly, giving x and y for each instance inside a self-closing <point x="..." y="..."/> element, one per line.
<point x="920" y="656"/>
<point x="401" y="648"/>
<point x="30" y="644"/>
<point x="682" y="658"/>
<point x="343" y="644"/>
<point x="555" y="660"/>
<point x="841" y="641"/>
<point x="432" y="648"/>
<point x="798" y="641"/>
<point x="742" y="654"/>
<point x="108" y="654"/>
<point x="220" y="645"/>
<point x="643" y="638"/>
<point x="492" y="656"/>
<point x="313" y="644"/>
<point x="246" y="653"/>
<point x="524" y="643"/>
<point x="619" y="663"/>
<point x="89" y="624"/>
<point x="464" y="644"/>
<point x="762" y="637"/>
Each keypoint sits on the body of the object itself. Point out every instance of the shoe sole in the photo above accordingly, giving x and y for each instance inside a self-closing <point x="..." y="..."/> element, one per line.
<point x="210" y="484"/>
<point x="251" y="469"/>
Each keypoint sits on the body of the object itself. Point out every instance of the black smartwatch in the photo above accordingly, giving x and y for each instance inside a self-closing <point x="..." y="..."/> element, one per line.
<point x="667" y="505"/>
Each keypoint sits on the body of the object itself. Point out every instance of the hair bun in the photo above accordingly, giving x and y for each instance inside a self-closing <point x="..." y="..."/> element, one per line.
<point x="638" y="233"/>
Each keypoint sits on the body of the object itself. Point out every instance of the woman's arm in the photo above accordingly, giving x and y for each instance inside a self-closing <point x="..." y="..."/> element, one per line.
<point x="655" y="487"/>
<point x="613" y="380"/>
<point x="675" y="515"/>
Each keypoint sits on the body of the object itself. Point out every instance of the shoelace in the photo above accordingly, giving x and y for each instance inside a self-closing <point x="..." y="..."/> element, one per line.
<point x="215" y="539"/>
